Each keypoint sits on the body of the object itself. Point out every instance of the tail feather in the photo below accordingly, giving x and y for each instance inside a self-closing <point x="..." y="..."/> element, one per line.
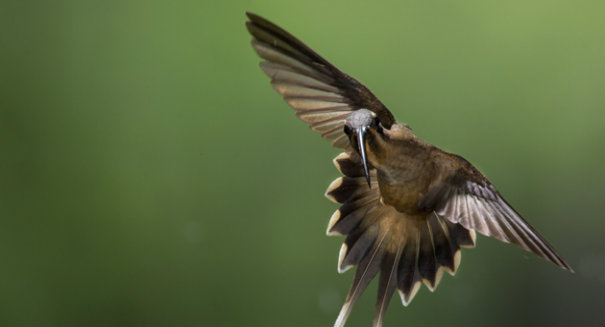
<point x="348" y="217"/>
<point x="445" y="248"/>
<point x="408" y="250"/>
<point x="357" y="245"/>
<point x="463" y="237"/>
<point x="366" y="270"/>
<point x="427" y="262"/>
<point x="387" y="283"/>
<point x="352" y="191"/>
<point x="409" y="274"/>
<point x="346" y="188"/>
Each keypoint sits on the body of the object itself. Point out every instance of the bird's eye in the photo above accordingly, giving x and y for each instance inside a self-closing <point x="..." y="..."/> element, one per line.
<point x="347" y="130"/>
<point x="376" y="125"/>
<point x="375" y="122"/>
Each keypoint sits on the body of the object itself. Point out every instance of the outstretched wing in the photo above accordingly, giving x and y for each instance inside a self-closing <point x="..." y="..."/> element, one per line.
<point x="321" y="94"/>
<point x="464" y="196"/>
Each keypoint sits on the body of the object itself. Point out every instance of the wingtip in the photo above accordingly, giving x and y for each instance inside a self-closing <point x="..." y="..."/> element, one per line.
<point x="563" y="264"/>
<point x="566" y="266"/>
<point x="252" y="16"/>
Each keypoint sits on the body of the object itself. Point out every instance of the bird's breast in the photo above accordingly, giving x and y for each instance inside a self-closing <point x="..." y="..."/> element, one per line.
<point x="405" y="173"/>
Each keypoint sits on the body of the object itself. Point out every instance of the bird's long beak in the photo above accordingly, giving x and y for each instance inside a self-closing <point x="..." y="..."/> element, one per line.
<point x="361" y="134"/>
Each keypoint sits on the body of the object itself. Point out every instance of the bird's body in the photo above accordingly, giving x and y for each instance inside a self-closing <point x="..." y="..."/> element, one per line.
<point x="407" y="206"/>
<point x="405" y="166"/>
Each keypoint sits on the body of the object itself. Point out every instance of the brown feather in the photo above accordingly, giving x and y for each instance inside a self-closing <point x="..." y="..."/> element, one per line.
<point x="310" y="83"/>
<point x="408" y="250"/>
<point x="422" y="205"/>
<point x="464" y="195"/>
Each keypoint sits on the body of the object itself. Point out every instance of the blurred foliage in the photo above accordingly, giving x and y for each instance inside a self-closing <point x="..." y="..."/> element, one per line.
<point x="149" y="175"/>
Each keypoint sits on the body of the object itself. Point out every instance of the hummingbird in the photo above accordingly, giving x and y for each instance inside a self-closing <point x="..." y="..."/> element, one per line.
<point x="407" y="207"/>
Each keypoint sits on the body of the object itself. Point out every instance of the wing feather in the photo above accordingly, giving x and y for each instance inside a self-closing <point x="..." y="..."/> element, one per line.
<point x="316" y="89"/>
<point x="465" y="196"/>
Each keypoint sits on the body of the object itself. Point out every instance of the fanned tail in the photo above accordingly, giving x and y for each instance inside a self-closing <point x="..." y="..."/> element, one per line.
<point x="407" y="250"/>
<point x="429" y="248"/>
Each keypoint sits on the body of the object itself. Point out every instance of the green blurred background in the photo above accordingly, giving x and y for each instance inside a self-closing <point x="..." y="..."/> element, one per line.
<point x="149" y="175"/>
